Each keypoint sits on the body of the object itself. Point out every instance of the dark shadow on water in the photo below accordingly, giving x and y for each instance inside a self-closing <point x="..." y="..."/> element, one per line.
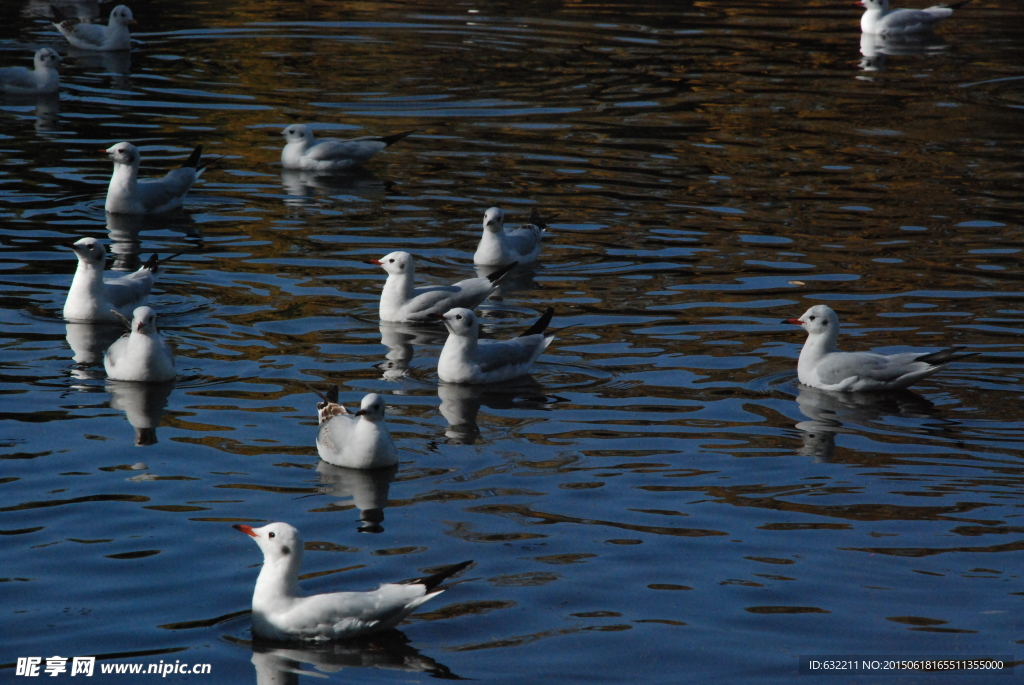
<point x="368" y="489"/>
<point x="143" y="405"/>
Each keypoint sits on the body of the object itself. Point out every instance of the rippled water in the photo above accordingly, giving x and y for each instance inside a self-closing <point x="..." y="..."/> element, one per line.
<point x="663" y="502"/>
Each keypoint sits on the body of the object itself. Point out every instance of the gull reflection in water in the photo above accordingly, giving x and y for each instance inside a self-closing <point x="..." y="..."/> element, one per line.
<point x="460" y="404"/>
<point x="874" y="48"/>
<point x="125" y="243"/>
<point x="47" y="108"/>
<point x="304" y="186"/>
<point x="400" y="338"/>
<point x="83" y="10"/>
<point x="521" y="278"/>
<point x="88" y="342"/>
<point x="368" y="489"/>
<point x="844" y="412"/>
<point x="281" y="663"/>
<point x="143" y="404"/>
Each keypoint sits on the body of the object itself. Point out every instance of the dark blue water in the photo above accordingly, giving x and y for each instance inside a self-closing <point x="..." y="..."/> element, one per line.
<point x="663" y="502"/>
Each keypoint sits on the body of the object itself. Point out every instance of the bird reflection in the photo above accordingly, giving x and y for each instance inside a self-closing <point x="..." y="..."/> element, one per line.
<point x="521" y="278"/>
<point x="400" y="338"/>
<point x="83" y="10"/>
<point x="842" y="412"/>
<point x="874" y="48"/>
<point x="143" y="404"/>
<point x="281" y="663"/>
<point x="88" y="342"/>
<point x="304" y="186"/>
<point x="117" y="63"/>
<point x="47" y="108"/>
<point x="368" y="489"/>
<point x="124" y="229"/>
<point x="460" y="404"/>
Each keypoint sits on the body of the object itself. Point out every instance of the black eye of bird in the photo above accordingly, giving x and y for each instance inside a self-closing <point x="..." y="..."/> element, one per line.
<point x="812" y="318"/>
<point x="272" y="535"/>
<point x="392" y="261"/>
<point x="459" y="317"/>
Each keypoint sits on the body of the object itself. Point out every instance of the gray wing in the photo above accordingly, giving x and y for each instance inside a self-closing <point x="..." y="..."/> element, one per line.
<point x="839" y="366"/>
<point x="133" y="288"/>
<point x="497" y="354"/>
<point x="911" y="20"/>
<point x="336" y="431"/>
<point x="94" y="34"/>
<point x="159" y="192"/>
<point x="523" y="239"/>
<point x="426" y="299"/>
<point x="332" y="150"/>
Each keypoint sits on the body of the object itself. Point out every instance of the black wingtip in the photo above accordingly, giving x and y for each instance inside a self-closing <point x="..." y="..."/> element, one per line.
<point x="153" y="263"/>
<point x="537" y="220"/>
<point x="395" y="137"/>
<point x="432" y="581"/>
<point x="540" y="325"/>
<point x="332" y="394"/>
<point x="501" y="273"/>
<point x="58" y="16"/>
<point x="193" y="159"/>
<point x="947" y="356"/>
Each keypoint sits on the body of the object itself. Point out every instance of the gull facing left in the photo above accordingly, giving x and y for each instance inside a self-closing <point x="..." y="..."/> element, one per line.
<point x="113" y="36"/>
<point x="44" y="80"/>
<point x="142" y="355"/>
<point x="467" y="359"/>
<point x="128" y="195"/>
<point x="330" y="155"/>
<point x="355" y="440"/>
<point x="279" y="613"/>
<point x="879" y="19"/>
<point x="823" y="366"/>
<point x="400" y="301"/>
<point x="92" y="297"/>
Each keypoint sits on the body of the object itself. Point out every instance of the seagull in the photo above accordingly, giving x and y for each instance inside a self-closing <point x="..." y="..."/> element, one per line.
<point x="466" y="359"/>
<point x="355" y="440"/>
<point x="91" y="297"/>
<point x="329" y="155"/>
<point x="499" y="246"/>
<point x="401" y="302"/>
<point x="127" y="195"/>
<point x="113" y="36"/>
<point x="823" y="366"/>
<point x="23" y="81"/>
<point x="278" y="613"/>
<point x="880" y="20"/>
<point x="142" y="355"/>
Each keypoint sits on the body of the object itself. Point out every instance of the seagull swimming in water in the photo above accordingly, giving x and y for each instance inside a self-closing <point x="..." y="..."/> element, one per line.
<point x="279" y="613"/>
<point x="128" y="195"/>
<point x="113" y="36"/>
<point x="330" y="155"/>
<point x="467" y="359"/>
<point x="142" y="355"/>
<point x="91" y="297"/>
<point x="355" y="440"/>
<point x="44" y="80"/>
<point x="823" y="366"/>
<point x="400" y="301"/>
<point x="499" y="246"/>
<point x="879" y="19"/>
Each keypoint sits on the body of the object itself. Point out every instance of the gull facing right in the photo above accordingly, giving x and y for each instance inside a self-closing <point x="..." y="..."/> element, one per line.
<point x="113" y="36"/>
<point x="401" y="302"/>
<point x="92" y="297"/>
<point x="879" y="19"/>
<point x="279" y="613"/>
<point x="499" y="246"/>
<point x="467" y="359"/>
<point x="355" y="440"/>
<point x="823" y="366"/>
<point x="142" y="355"/>
<point x="24" y="81"/>
<point x="330" y="155"/>
<point x="128" y="195"/>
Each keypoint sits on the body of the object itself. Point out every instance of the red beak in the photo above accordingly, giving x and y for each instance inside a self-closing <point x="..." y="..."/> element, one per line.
<point x="440" y="317"/>
<point x="245" y="529"/>
<point x="375" y="261"/>
<point x="139" y="327"/>
<point x="797" y="322"/>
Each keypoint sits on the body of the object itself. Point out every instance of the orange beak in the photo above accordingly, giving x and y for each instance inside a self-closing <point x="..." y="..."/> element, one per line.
<point x="374" y="261"/>
<point x="245" y="529"/>
<point x="797" y="322"/>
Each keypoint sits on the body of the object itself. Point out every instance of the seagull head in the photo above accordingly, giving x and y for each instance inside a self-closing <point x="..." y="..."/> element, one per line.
<point x="47" y="57"/>
<point x="372" y="408"/>
<point x="494" y="220"/>
<point x="90" y="251"/>
<point x="144" y="321"/>
<point x="875" y="4"/>
<point x="461" y="321"/>
<point x="396" y="263"/>
<point x="818" y="320"/>
<point x="279" y="542"/>
<point x="122" y="15"/>
<point x="123" y="153"/>
<point x="297" y="133"/>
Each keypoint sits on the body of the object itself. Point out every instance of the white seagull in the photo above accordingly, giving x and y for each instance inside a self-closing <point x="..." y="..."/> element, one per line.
<point x="91" y="297"/>
<point x="128" y="195"/>
<point x="113" y="36"/>
<point x="499" y="246"/>
<point x="142" y="355"/>
<point x="467" y="359"/>
<point x="355" y="440"/>
<point x="401" y="302"/>
<point x="879" y="19"/>
<point x="329" y="155"/>
<point x="24" y="81"/>
<point x="279" y="613"/>
<point x="823" y="366"/>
